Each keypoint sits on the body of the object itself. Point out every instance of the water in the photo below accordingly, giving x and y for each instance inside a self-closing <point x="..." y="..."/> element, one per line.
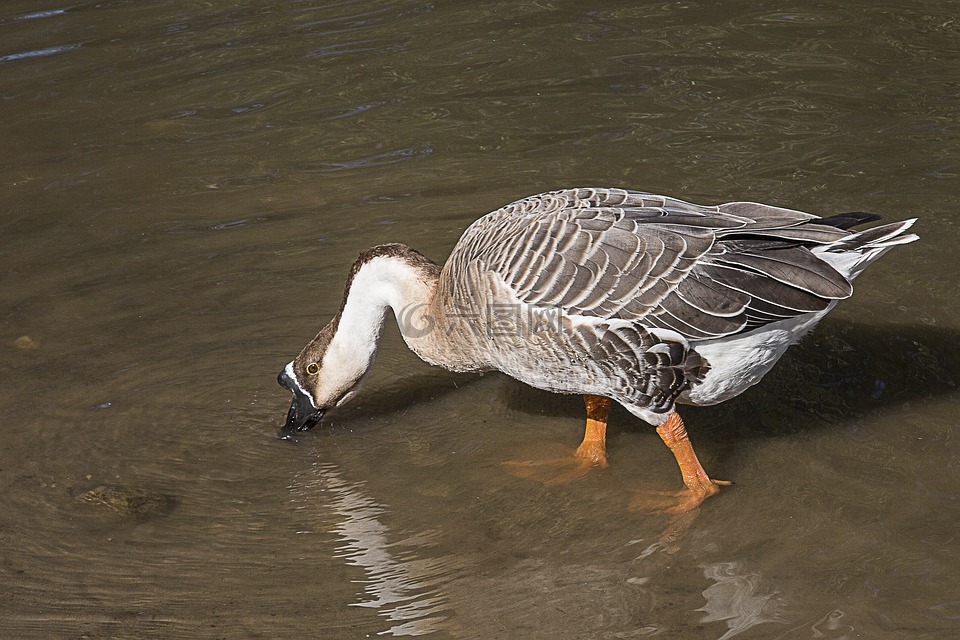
<point x="184" y="187"/>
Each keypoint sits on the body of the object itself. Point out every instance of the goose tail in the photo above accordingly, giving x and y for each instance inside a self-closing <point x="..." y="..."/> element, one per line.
<point x="854" y="253"/>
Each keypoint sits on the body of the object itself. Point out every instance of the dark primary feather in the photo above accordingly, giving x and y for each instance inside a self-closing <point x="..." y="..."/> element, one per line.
<point x="850" y="219"/>
<point x="702" y="271"/>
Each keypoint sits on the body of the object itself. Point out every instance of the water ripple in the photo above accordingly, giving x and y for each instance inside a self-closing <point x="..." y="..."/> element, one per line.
<point x="361" y="46"/>
<point x="376" y="160"/>
<point x="39" y="53"/>
<point x="36" y="15"/>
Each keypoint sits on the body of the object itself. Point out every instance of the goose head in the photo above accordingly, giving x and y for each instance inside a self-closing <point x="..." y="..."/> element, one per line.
<point x="327" y="373"/>
<point x="330" y="369"/>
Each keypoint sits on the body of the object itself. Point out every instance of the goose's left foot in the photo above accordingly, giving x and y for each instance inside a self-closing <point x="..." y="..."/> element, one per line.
<point x="675" y="502"/>
<point x="699" y="485"/>
<point x="591" y="453"/>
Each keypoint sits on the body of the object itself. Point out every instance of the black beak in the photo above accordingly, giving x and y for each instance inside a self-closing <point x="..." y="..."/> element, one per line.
<point x="302" y="415"/>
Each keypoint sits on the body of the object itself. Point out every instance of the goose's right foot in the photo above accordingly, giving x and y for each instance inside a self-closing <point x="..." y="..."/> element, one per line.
<point x="699" y="486"/>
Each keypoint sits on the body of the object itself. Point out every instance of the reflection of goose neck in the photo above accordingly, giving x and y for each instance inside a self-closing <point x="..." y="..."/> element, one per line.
<point x="395" y="588"/>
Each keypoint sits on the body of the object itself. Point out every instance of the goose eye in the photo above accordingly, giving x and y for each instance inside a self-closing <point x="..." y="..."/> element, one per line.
<point x="313" y="369"/>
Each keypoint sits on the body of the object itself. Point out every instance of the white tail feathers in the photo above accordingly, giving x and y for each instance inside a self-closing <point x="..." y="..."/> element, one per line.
<point x="851" y="255"/>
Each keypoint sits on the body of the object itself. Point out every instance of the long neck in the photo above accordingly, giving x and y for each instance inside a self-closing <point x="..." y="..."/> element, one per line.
<point x="404" y="283"/>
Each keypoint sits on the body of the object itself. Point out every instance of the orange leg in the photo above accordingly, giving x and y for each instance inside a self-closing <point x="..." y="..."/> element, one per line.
<point x="699" y="485"/>
<point x="591" y="452"/>
<point x="593" y="449"/>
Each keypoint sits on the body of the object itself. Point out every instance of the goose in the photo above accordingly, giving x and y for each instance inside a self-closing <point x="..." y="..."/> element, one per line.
<point x="611" y="294"/>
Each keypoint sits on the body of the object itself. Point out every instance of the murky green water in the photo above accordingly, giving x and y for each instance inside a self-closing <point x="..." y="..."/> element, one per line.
<point x="183" y="186"/>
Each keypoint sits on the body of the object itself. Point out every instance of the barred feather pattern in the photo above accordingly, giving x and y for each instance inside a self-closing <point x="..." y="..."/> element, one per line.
<point x="640" y="280"/>
<point x="704" y="272"/>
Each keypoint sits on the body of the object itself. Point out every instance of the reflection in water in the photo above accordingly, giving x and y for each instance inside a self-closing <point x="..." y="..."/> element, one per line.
<point x="736" y="598"/>
<point x="739" y="598"/>
<point x="830" y="626"/>
<point x="402" y="587"/>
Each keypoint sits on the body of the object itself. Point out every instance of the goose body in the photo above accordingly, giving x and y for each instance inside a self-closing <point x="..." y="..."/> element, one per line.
<point x="643" y="299"/>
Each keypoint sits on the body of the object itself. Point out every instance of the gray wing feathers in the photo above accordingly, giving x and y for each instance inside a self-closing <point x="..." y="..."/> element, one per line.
<point x="793" y="266"/>
<point x="702" y="271"/>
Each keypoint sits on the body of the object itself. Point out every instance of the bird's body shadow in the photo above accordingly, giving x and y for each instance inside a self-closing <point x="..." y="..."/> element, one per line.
<point x="838" y="373"/>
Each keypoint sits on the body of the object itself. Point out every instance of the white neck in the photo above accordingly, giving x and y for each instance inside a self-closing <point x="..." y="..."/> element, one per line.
<point x="382" y="282"/>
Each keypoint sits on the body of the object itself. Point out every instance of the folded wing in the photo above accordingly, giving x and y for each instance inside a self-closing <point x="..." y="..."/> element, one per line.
<point x="703" y="272"/>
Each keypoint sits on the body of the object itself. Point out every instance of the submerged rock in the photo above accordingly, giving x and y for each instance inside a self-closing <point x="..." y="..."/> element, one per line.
<point x="26" y="343"/>
<point x="124" y="502"/>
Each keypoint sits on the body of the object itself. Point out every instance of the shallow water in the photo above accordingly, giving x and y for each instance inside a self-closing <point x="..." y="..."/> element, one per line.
<point x="184" y="187"/>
